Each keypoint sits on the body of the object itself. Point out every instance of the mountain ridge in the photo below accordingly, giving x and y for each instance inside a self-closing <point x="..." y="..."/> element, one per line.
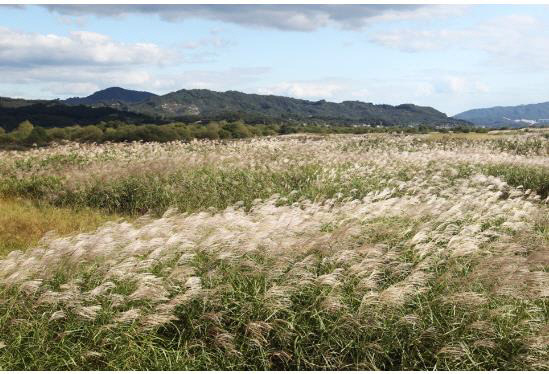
<point x="530" y="114"/>
<point x="207" y="105"/>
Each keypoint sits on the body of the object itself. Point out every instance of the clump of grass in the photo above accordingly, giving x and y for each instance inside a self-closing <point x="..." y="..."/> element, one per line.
<point x="529" y="177"/>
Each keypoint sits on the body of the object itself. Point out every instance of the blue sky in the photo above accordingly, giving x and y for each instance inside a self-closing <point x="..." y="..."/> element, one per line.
<point x="453" y="58"/>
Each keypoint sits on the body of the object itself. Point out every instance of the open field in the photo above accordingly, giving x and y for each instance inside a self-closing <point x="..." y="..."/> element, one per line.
<point x="379" y="251"/>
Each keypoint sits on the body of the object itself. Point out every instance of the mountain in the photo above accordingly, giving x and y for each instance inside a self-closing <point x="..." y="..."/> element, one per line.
<point x="202" y="103"/>
<point x="531" y="114"/>
<point x="113" y="97"/>
<point x="198" y="104"/>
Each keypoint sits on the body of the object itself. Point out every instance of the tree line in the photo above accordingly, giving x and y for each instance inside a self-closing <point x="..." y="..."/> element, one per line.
<point x="27" y="134"/>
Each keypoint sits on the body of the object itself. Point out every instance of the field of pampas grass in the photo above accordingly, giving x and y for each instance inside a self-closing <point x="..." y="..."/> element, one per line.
<point x="373" y="252"/>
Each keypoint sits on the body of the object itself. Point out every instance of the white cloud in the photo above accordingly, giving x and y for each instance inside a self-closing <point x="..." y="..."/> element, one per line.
<point x="424" y="89"/>
<point x="57" y="81"/>
<point x="423" y="13"/>
<point x="304" y="89"/>
<point x="218" y="80"/>
<point x="281" y="16"/>
<point x="78" y="48"/>
<point x="334" y="89"/>
<point x="411" y="40"/>
<point x="450" y="84"/>
<point x="212" y="41"/>
<point x="72" y="89"/>
<point x="456" y="84"/>
<point x="515" y="39"/>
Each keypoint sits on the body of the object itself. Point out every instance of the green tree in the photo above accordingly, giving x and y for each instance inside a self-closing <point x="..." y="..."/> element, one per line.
<point x="90" y="134"/>
<point x="38" y="135"/>
<point x="58" y="133"/>
<point x="212" y="131"/>
<point x="238" y="130"/>
<point x="23" y="130"/>
<point x="183" y="132"/>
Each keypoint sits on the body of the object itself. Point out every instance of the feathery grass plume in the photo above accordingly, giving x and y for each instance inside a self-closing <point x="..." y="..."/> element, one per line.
<point x="59" y="314"/>
<point x="31" y="287"/>
<point x="467" y="299"/>
<point x="258" y="332"/>
<point x="225" y="341"/>
<point x="454" y="351"/>
<point x="129" y="315"/>
<point x="158" y="319"/>
<point x="88" y="312"/>
<point x="278" y="297"/>
<point x="332" y="303"/>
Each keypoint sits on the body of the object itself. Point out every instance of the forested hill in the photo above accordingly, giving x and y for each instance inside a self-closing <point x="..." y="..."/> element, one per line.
<point x="111" y="96"/>
<point x="206" y="103"/>
<point x="200" y="104"/>
<point x="531" y="114"/>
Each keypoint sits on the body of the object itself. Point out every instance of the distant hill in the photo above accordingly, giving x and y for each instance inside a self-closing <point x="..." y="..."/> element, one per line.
<point x="8" y="102"/>
<point x="532" y="114"/>
<point x="53" y="114"/>
<point x="113" y="96"/>
<point x="199" y="104"/>
<point x="208" y="104"/>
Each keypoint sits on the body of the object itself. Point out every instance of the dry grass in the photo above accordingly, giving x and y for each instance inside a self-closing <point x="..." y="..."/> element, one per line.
<point x="24" y="223"/>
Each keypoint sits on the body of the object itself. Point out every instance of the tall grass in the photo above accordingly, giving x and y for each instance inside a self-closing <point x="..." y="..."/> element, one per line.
<point x="385" y="252"/>
<point x="535" y="179"/>
<point x="455" y="324"/>
<point x="195" y="189"/>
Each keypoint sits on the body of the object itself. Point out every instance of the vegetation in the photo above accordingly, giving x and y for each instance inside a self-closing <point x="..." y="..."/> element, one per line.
<point x="55" y="114"/>
<point x="114" y="96"/>
<point x="26" y="134"/>
<point x="211" y="104"/>
<point x="379" y="251"/>
<point x="204" y="105"/>
<point x="24" y="223"/>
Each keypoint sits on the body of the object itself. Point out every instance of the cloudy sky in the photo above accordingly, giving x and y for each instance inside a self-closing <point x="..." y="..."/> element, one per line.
<point x="453" y="58"/>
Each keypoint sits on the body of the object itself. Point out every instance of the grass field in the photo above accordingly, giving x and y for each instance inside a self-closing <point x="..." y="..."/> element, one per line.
<point x="379" y="251"/>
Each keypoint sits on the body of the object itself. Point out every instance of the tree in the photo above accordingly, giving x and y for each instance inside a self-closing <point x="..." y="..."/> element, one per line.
<point x="38" y="135"/>
<point x="90" y="134"/>
<point x="212" y="131"/>
<point x="23" y="130"/>
<point x="58" y="133"/>
<point x="183" y="132"/>
<point x="238" y="130"/>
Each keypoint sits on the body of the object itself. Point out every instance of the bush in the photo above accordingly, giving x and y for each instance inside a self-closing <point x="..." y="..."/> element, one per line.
<point x="90" y="134"/>
<point x="37" y="136"/>
<point x="23" y="130"/>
